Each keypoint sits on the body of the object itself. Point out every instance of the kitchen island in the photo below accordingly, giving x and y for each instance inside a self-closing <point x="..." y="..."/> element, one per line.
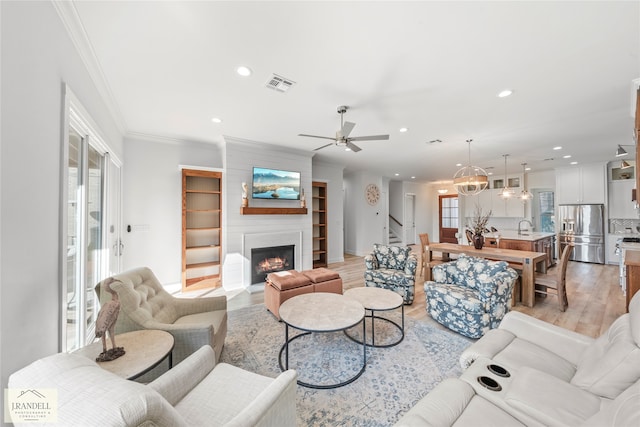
<point x="526" y="241"/>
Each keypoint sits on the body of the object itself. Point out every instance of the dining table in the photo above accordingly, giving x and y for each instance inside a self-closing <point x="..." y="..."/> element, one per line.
<point x="526" y="263"/>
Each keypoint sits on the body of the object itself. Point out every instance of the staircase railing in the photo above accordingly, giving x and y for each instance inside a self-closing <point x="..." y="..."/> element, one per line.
<point x="396" y="221"/>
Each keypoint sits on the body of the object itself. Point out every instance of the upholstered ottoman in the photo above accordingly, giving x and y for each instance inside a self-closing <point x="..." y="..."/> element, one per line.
<point x="324" y="280"/>
<point x="282" y="285"/>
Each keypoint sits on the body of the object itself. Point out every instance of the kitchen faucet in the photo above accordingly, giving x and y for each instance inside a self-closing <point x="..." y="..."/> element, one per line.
<point x="520" y="223"/>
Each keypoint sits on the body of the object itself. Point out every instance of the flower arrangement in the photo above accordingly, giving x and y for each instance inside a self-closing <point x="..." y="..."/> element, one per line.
<point x="479" y="221"/>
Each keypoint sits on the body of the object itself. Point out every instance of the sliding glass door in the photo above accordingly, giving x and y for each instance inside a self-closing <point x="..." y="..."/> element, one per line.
<point x="91" y="228"/>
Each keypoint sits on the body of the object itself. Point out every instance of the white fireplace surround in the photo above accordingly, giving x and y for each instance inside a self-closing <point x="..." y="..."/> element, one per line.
<point x="262" y="240"/>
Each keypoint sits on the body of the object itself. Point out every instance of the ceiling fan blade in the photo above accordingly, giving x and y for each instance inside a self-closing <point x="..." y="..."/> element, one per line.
<point x="316" y="136"/>
<point x="370" y="138"/>
<point x="320" y="148"/>
<point x="353" y="147"/>
<point x="347" y="128"/>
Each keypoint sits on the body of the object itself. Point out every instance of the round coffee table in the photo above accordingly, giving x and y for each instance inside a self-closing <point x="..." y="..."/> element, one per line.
<point x="320" y="312"/>
<point x="144" y="350"/>
<point x="377" y="299"/>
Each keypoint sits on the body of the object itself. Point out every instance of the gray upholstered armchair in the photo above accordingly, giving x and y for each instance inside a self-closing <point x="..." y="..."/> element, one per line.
<point x="144" y="304"/>
<point x="393" y="268"/>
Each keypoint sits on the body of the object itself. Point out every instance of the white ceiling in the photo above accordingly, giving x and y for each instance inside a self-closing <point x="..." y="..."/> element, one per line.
<point x="434" y="67"/>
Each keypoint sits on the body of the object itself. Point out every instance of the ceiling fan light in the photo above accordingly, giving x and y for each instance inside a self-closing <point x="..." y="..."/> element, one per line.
<point x="621" y="151"/>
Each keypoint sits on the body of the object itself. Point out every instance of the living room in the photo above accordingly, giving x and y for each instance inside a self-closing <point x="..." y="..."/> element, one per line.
<point x="39" y="57"/>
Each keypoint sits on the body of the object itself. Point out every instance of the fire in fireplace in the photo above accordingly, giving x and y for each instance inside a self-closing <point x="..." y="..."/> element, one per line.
<point x="270" y="259"/>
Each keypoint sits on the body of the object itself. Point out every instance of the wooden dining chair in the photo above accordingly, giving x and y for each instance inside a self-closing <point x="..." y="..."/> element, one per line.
<point x="557" y="280"/>
<point x="469" y="235"/>
<point x="426" y="261"/>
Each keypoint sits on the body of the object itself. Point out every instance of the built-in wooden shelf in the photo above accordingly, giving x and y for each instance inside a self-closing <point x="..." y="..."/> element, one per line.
<point x="272" y="211"/>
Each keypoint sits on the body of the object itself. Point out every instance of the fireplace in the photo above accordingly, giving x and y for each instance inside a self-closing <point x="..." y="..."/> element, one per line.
<point x="271" y="259"/>
<point x="252" y="241"/>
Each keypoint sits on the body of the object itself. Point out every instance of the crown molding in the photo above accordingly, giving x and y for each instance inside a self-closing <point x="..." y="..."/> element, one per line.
<point x="73" y="24"/>
<point x="169" y="140"/>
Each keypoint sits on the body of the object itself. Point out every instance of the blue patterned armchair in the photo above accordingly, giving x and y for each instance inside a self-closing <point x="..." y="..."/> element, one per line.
<point x="393" y="268"/>
<point x="470" y="295"/>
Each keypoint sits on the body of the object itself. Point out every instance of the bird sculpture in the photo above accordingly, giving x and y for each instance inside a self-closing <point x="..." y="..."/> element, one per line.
<point x="106" y="322"/>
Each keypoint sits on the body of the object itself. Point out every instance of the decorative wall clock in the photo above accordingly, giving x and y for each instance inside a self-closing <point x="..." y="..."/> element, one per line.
<point x="372" y="194"/>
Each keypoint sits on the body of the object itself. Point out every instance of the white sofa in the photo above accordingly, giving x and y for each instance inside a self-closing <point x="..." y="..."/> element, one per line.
<point x="193" y="393"/>
<point x="555" y="377"/>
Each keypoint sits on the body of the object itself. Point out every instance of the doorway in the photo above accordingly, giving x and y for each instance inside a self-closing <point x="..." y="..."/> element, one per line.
<point x="448" y="218"/>
<point x="410" y="219"/>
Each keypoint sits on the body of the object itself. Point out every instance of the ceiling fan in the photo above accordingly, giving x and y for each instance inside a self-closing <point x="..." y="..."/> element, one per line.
<point x="342" y="138"/>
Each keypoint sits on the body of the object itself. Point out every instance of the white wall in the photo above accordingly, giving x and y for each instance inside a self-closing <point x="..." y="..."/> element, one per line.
<point x="426" y="206"/>
<point x="37" y="57"/>
<point x="240" y="158"/>
<point x="152" y="199"/>
<point x="332" y="175"/>
<point x="364" y="224"/>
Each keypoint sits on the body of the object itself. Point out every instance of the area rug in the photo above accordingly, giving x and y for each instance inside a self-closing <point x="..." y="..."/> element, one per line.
<point x="394" y="380"/>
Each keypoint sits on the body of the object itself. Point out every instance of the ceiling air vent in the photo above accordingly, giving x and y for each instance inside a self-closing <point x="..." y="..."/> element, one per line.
<point x="279" y="83"/>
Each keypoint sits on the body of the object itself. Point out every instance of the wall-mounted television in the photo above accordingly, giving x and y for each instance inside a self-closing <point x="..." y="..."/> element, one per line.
<point x="275" y="184"/>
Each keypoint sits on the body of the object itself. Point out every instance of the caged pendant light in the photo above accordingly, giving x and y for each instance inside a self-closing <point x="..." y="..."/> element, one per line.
<point x="470" y="180"/>
<point x="506" y="192"/>
<point x="525" y="194"/>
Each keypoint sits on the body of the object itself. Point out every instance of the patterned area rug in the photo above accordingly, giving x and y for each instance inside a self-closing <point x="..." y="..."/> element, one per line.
<point x="394" y="380"/>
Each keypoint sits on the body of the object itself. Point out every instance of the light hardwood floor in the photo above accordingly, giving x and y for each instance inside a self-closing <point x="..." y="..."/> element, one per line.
<point x="595" y="297"/>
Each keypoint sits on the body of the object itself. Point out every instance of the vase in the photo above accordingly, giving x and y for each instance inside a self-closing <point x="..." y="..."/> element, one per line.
<point x="478" y="241"/>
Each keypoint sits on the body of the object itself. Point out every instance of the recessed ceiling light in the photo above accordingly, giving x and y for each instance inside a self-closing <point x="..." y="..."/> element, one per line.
<point x="413" y="177"/>
<point x="458" y="164"/>
<point x="568" y="156"/>
<point x="243" y="71"/>
<point x="573" y="163"/>
<point x="397" y="174"/>
<point x="216" y="120"/>
<point x="505" y="93"/>
<point x="489" y="173"/>
<point x="347" y="149"/>
<point x="527" y="169"/>
<point x="557" y="148"/>
<point x="404" y="129"/>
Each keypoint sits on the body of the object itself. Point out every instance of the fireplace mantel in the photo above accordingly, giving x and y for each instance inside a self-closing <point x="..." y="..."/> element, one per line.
<point x="272" y="211"/>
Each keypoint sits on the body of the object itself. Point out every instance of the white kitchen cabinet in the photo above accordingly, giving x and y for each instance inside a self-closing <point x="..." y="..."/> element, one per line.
<point x="620" y="204"/>
<point x="581" y="184"/>
<point x="500" y="208"/>
<point x="610" y="251"/>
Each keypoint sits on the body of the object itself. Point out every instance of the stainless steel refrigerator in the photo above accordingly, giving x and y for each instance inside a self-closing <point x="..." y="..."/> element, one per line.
<point x="583" y="225"/>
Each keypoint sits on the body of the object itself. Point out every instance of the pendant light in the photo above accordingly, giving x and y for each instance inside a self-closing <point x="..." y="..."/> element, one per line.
<point x="506" y="192"/>
<point x="525" y="195"/>
<point x="470" y="180"/>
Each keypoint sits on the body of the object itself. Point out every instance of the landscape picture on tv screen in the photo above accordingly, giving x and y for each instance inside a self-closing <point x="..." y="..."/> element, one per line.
<point x="275" y="184"/>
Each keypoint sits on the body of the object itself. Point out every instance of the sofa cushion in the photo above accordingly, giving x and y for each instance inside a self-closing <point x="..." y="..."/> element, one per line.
<point x="318" y="275"/>
<point x="290" y="279"/>
<point x="521" y="353"/>
<point x="612" y="363"/>
<point x="454" y="402"/>
<point x="454" y="296"/>
<point x="230" y="401"/>
<point x="550" y="400"/>
<point x="386" y="275"/>
<point x="622" y="411"/>
<point x="393" y="257"/>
